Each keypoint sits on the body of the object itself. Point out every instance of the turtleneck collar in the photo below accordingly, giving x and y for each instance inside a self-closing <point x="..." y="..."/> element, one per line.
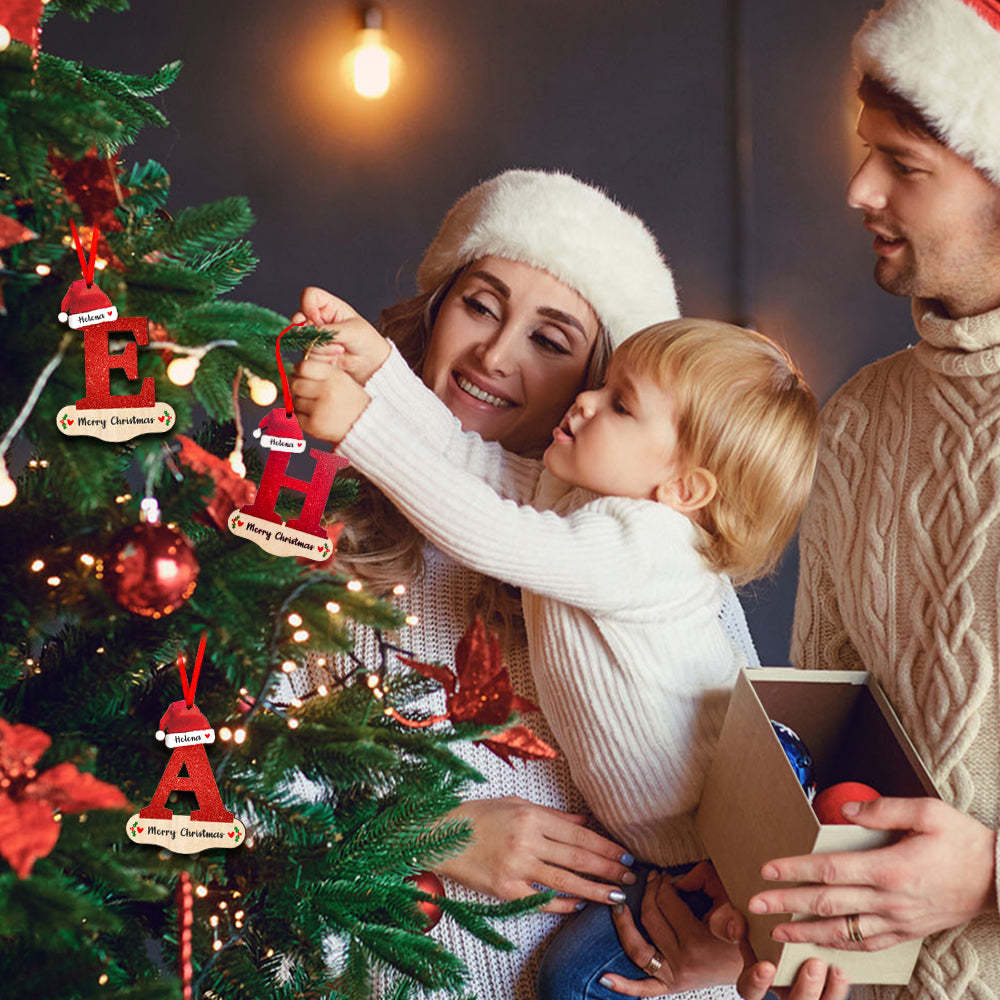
<point x="967" y="346"/>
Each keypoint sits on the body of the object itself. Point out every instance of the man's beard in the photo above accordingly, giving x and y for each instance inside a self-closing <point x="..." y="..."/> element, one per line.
<point x="901" y="281"/>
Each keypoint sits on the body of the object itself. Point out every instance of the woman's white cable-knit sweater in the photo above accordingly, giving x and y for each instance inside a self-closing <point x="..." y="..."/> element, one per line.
<point x="900" y="575"/>
<point x="621" y="610"/>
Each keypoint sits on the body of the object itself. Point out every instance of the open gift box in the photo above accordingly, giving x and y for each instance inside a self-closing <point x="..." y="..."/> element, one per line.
<point x="753" y="808"/>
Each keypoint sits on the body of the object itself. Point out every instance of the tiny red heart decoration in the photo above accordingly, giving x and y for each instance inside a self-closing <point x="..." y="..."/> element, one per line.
<point x="139" y="828"/>
<point x="69" y="421"/>
<point x="208" y="735"/>
<point x="160" y="419"/>
<point x="230" y="834"/>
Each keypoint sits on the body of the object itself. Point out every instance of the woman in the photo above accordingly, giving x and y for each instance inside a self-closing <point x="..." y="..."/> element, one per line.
<point x="531" y="281"/>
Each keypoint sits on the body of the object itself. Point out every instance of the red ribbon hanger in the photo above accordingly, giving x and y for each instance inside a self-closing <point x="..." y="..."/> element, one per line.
<point x="189" y="689"/>
<point x="281" y="367"/>
<point x="86" y="265"/>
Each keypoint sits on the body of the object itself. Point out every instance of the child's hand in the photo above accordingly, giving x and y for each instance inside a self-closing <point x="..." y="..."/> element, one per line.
<point x="359" y="349"/>
<point x="328" y="409"/>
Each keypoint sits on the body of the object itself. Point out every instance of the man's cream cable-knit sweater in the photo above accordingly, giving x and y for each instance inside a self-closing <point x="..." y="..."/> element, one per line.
<point x="900" y="575"/>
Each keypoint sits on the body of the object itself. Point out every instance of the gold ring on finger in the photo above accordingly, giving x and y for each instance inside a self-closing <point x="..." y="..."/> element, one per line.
<point x="653" y="966"/>
<point x="854" y="928"/>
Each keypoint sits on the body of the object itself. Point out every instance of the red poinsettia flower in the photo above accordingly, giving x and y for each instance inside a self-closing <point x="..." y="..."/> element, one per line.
<point x="480" y="691"/>
<point x="12" y="232"/>
<point x="92" y="182"/>
<point x="28" y="829"/>
<point x="231" y="489"/>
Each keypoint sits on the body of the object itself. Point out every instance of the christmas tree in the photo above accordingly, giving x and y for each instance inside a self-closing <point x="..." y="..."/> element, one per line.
<point x="117" y="560"/>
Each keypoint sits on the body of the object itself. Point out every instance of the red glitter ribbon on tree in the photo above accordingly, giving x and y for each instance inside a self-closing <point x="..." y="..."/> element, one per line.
<point x="185" y="919"/>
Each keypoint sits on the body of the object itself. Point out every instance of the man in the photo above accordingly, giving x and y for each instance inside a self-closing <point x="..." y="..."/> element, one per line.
<point x="900" y="546"/>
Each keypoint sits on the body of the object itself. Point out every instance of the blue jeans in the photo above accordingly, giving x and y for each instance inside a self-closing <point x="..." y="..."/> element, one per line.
<point x="587" y="945"/>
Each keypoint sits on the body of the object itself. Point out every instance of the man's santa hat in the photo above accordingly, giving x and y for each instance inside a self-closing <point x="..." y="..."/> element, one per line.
<point x="84" y="304"/>
<point x="280" y="430"/>
<point x="184" y="726"/>
<point x="943" y="56"/>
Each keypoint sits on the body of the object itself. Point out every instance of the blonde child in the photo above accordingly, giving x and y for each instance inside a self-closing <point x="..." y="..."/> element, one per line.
<point x="693" y="461"/>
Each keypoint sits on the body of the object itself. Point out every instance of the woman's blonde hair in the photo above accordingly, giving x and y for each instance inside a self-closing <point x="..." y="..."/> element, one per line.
<point x="378" y="544"/>
<point x="745" y="413"/>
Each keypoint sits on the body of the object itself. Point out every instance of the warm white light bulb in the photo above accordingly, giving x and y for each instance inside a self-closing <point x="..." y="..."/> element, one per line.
<point x="262" y="391"/>
<point x="371" y="65"/>
<point x="8" y="488"/>
<point x="4" y="38"/>
<point x="181" y="371"/>
<point x="236" y="462"/>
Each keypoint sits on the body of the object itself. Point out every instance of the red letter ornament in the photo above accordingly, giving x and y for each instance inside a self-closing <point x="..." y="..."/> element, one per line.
<point x="186" y="732"/>
<point x="303" y="536"/>
<point x="99" y="414"/>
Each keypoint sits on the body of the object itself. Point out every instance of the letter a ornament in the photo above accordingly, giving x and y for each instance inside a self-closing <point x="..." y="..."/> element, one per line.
<point x="186" y="732"/>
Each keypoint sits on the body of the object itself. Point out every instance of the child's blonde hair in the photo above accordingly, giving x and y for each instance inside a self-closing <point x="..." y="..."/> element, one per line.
<point x="745" y="413"/>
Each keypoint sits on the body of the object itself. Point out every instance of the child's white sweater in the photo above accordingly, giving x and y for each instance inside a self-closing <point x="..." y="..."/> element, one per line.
<point x="630" y="660"/>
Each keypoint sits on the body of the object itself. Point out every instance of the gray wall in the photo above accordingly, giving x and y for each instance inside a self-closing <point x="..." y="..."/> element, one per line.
<point x="635" y="96"/>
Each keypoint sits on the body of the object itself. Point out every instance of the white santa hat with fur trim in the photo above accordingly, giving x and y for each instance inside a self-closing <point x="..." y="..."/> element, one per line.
<point x="943" y="56"/>
<point x="573" y="231"/>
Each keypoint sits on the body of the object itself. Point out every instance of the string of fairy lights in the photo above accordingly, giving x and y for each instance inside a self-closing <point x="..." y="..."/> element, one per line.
<point x="228" y="916"/>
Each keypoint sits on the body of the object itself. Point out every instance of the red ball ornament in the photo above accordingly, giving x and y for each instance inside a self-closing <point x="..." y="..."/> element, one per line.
<point x="828" y="803"/>
<point x="432" y="885"/>
<point x="151" y="569"/>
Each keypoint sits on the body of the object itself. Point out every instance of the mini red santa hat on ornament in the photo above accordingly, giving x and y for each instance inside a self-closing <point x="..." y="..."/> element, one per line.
<point x="84" y="304"/>
<point x="280" y="430"/>
<point x="184" y="726"/>
<point x="943" y="56"/>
